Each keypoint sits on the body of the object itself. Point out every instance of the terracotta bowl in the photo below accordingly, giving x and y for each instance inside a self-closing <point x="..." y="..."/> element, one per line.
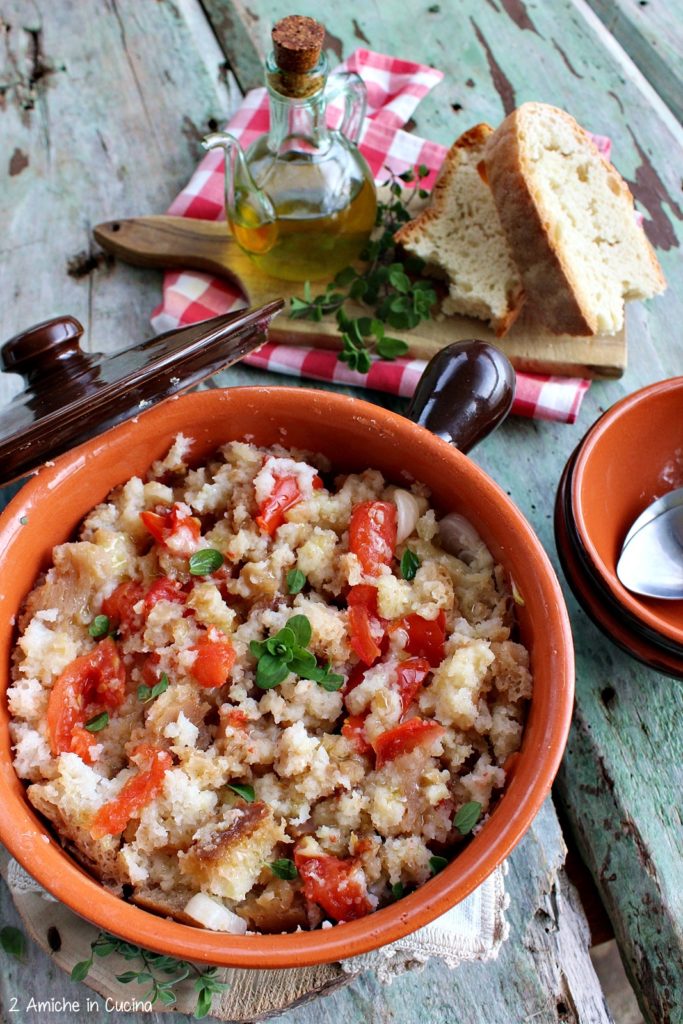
<point x="632" y="455"/>
<point x="596" y="601"/>
<point x="354" y="435"/>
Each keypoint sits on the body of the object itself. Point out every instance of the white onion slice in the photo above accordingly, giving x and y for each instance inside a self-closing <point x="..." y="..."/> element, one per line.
<point x="408" y="513"/>
<point x="214" y="916"/>
<point x="458" y="537"/>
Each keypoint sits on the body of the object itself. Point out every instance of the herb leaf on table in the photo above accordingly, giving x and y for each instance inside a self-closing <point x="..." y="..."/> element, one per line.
<point x="162" y="973"/>
<point x="391" y="288"/>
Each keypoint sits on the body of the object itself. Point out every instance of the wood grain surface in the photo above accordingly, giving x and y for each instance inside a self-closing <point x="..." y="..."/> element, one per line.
<point x="101" y="109"/>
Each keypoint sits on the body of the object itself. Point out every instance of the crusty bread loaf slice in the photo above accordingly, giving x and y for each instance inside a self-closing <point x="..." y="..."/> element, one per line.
<point x="460" y="234"/>
<point x="569" y="221"/>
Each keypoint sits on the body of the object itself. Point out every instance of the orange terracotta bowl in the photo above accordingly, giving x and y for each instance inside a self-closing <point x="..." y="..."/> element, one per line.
<point x="354" y="435"/>
<point x="632" y="455"/>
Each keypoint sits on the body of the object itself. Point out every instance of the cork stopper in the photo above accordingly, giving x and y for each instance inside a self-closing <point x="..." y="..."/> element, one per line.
<point x="297" y="43"/>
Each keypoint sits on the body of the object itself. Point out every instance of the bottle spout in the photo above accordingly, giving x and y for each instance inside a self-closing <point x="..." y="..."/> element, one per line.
<point x="249" y="210"/>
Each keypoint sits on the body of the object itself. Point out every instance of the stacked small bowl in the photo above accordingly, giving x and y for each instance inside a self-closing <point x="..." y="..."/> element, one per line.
<point x="632" y="455"/>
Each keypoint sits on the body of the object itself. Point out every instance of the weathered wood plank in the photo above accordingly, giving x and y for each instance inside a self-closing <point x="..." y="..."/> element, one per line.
<point x="652" y="35"/>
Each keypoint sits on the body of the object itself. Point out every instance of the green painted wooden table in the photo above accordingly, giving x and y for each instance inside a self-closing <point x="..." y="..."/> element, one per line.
<point x="102" y="106"/>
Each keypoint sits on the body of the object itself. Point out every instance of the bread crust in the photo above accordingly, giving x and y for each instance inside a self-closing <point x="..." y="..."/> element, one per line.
<point x="474" y="138"/>
<point x="551" y="283"/>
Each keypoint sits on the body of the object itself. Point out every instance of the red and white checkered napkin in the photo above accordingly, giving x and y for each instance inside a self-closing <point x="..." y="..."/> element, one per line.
<point x="395" y="87"/>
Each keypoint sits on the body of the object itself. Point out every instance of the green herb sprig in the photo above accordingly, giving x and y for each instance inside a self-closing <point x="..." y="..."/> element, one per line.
<point x="147" y="693"/>
<point x="161" y="973"/>
<point x="244" y="790"/>
<point x="284" y="868"/>
<point x="410" y="563"/>
<point x="13" y="941"/>
<point x="98" y="722"/>
<point x="391" y="288"/>
<point x="287" y="652"/>
<point x="467" y="817"/>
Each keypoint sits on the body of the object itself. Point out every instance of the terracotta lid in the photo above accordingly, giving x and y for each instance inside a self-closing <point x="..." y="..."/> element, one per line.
<point x="72" y="394"/>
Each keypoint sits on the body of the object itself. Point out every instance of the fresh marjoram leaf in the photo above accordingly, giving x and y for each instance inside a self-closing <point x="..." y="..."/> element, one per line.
<point x="246" y="792"/>
<point x="467" y="817"/>
<point x="296" y="581"/>
<point x="13" y="941"/>
<point x="284" y="868"/>
<point x="410" y="563"/>
<point x="205" y="561"/>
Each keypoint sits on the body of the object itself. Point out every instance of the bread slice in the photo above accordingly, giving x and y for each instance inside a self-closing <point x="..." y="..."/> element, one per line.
<point x="460" y="234"/>
<point x="569" y="221"/>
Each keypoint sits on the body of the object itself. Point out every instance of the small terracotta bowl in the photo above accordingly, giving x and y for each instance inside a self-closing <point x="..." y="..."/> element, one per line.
<point x="354" y="435"/>
<point x="632" y="455"/>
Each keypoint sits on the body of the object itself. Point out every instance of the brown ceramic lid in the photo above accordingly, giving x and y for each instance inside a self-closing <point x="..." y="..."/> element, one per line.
<point x="72" y="394"/>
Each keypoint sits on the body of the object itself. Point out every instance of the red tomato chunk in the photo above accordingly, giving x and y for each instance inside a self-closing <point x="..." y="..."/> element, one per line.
<point x="173" y="528"/>
<point x="97" y="678"/>
<point x="215" y="658"/>
<point x="410" y="675"/>
<point x="112" y="818"/>
<point x="405" y="738"/>
<point x="284" y="495"/>
<point x="372" y="534"/>
<point x="338" y="886"/>
<point x="425" y="636"/>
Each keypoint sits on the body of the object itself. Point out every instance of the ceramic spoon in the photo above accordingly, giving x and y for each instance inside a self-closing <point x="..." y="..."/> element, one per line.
<point x="651" y="563"/>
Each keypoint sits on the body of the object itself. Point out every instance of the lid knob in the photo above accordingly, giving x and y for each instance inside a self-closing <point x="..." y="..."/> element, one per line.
<point x="297" y="43"/>
<point x="43" y="347"/>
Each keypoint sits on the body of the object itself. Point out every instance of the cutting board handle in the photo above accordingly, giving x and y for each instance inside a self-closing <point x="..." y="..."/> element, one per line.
<point x="465" y="392"/>
<point x="175" y="243"/>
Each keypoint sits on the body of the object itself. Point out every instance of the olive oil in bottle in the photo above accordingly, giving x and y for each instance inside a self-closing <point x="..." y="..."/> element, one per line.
<point x="301" y="201"/>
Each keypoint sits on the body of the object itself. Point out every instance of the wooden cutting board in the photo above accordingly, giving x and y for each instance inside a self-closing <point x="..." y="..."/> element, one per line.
<point x="181" y="242"/>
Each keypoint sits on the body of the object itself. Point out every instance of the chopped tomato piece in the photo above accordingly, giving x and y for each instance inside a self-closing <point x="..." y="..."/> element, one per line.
<point x="120" y="604"/>
<point x="338" y="886"/>
<point x="174" y="528"/>
<point x="406" y="737"/>
<point x="354" y="730"/>
<point x="284" y="495"/>
<point x="356" y="677"/>
<point x="236" y="718"/>
<point x="410" y="675"/>
<point x="215" y="658"/>
<point x="363" y="594"/>
<point x="372" y="534"/>
<point x="425" y="636"/>
<point x="164" y="589"/>
<point x="317" y="483"/>
<point x="82" y="742"/>
<point x="97" y="677"/>
<point x="363" y="637"/>
<point x="150" y="669"/>
<point x="112" y="817"/>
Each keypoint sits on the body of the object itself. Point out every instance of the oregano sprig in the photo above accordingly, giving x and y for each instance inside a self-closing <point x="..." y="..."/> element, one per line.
<point x="287" y="651"/>
<point x="389" y="285"/>
<point x="161" y="973"/>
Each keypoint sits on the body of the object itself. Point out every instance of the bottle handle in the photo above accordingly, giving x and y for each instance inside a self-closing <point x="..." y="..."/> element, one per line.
<point x="351" y="88"/>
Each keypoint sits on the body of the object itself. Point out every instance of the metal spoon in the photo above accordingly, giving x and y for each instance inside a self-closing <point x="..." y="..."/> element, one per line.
<point x="651" y="562"/>
<point x="653" y="510"/>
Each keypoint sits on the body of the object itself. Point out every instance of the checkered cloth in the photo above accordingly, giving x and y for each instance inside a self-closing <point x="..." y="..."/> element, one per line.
<point x="395" y="87"/>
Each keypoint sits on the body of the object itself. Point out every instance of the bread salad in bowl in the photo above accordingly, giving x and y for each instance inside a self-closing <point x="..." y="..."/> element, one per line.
<point x="256" y="695"/>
